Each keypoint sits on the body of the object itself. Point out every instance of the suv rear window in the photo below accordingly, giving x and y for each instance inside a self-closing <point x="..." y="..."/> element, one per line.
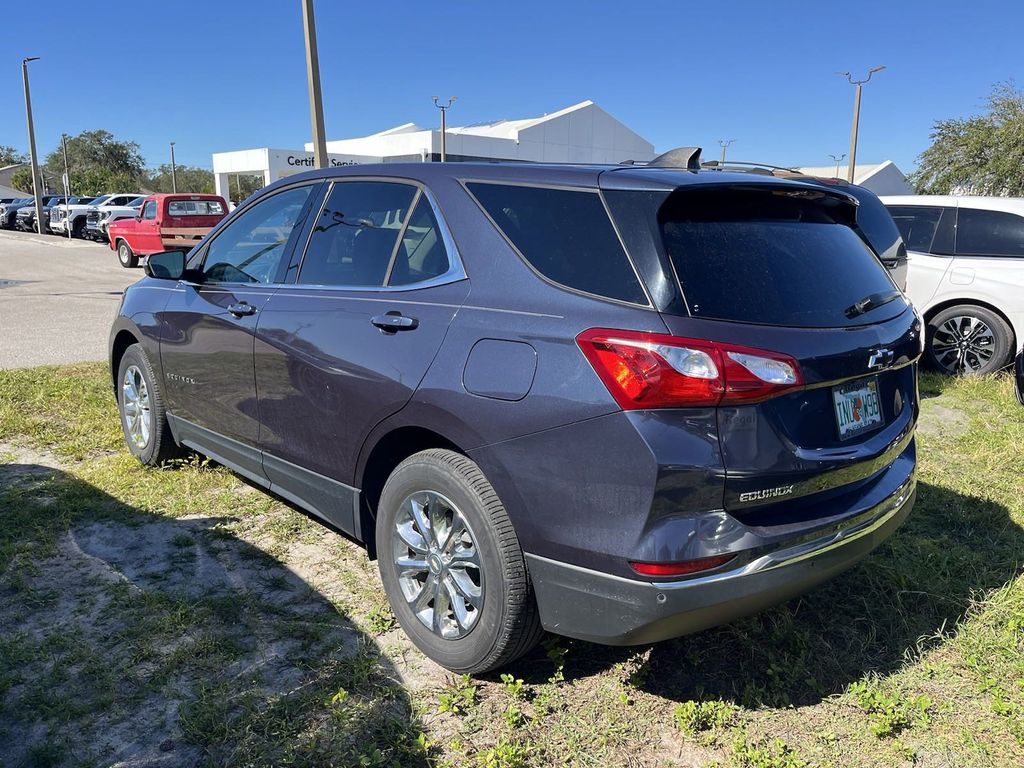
<point x="771" y="258"/>
<point x="565" y="235"/>
<point x="195" y="208"/>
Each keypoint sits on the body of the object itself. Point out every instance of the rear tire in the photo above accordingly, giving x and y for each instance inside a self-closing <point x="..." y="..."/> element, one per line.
<point x="126" y="256"/>
<point x="460" y="589"/>
<point x="140" y="403"/>
<point x="968" y="340"/>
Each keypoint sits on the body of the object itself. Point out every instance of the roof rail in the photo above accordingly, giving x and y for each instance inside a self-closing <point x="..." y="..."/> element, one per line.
<point x="715" y="164"/>
<point x="680" y="157"/>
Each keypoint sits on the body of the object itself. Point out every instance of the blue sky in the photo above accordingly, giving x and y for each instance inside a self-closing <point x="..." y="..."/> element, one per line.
<point x="225" y="75"/>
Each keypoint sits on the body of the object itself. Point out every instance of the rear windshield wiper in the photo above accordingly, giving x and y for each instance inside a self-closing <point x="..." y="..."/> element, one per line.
<point x="871" y="302"/>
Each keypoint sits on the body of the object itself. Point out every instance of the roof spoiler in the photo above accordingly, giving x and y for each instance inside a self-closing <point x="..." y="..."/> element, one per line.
<point x="680" y="157"/>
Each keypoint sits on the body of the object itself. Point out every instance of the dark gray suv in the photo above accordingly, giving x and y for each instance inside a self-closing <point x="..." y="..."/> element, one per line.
<point x="616" y="403"/>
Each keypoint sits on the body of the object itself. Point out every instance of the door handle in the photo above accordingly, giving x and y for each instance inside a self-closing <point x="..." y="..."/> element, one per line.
<point x="391" y="322"/>
<point x="241" y="309"/>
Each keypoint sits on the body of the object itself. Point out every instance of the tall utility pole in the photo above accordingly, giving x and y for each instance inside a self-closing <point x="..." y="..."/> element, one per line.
<point x="856" y="116"/>
<point x="724" y="144"/>
<point x="838" y="159"/>
<point x="316" y="100"/>
<point x="36" y="191"/>
<point x="174" y="171"/>
<point x="444" y="127"/>
<point x="67" y="182"/>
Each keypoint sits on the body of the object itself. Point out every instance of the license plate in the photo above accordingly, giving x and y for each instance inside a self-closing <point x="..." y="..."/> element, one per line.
<point x="857" y="407"/>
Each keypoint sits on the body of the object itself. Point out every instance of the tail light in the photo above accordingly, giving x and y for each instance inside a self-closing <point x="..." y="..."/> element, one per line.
<point x="654" y="370"/>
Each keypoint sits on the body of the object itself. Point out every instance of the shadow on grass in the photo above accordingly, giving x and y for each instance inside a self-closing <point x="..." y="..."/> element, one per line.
<point x="906" y="596"/>
<point x="134" y="637"/>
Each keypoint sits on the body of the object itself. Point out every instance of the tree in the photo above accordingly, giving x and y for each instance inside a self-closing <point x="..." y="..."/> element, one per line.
<point x="190" y="179"/>
<point x="21" y="180"/>
<point x="982" y="155"/>
<point x="10" y="156"/>
<point x="99" y="163"/>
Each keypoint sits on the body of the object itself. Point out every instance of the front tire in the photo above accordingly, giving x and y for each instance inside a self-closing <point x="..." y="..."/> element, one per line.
<point x="126" y="256"/>
<point x="140" y="403"/>
<point x="968" y="339"/>
<point x="78" y="229"/>
<point x="452" y="566"/>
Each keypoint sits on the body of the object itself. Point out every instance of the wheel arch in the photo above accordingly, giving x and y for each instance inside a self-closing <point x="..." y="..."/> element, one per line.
<point x="123" y="339"/>
<point x="388" y="451"/>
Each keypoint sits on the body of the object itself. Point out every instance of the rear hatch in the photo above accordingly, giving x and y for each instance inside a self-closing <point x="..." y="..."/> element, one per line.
<point x="779" y="269"/>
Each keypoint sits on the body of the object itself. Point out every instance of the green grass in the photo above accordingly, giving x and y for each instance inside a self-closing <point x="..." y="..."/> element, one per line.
<point x="249" y="635"/>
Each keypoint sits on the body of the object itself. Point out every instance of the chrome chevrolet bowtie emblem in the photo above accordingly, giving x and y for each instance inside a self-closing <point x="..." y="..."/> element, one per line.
<point x="881" y="358"/>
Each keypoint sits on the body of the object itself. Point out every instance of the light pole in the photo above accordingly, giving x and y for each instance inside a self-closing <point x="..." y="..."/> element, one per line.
<point x="36" y="192"/>
<point x="174" y="171"/>
<point x="444" y="129"/>
<point x="67" y="183"/>
<point x="316" y="100"/>
<point x="856" y="116"/>
<point x="838" y="159"/>
<point x="724" y="144"/>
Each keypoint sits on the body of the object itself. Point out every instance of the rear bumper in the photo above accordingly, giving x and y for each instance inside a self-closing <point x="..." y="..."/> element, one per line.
<point x="602" y="608"/>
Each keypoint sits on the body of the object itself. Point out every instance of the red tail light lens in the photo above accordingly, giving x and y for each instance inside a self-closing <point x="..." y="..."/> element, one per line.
<point x="655" y="370"/>
<point x="680" y="569"/>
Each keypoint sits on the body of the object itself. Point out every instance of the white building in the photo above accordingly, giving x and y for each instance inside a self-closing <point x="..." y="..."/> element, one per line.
<point x="881" y="178"/>
<point x="582" y="133"/>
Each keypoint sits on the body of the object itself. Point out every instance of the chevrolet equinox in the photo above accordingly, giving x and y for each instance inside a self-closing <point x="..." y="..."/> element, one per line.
<point x="617" y="403"/>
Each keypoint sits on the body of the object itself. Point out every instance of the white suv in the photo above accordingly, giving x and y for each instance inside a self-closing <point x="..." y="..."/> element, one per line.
<point x="966" y="276"/>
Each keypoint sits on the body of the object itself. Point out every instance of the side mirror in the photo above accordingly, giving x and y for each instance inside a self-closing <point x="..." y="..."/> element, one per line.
<point x="166" y="265"/>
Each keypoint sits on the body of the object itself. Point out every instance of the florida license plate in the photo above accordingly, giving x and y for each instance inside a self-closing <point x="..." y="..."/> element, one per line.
<point x="857" y="407"/>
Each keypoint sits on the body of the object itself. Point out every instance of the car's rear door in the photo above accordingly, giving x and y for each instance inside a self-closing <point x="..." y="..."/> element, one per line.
<point x="780" y="271"/>
<point x="207" y="328"/>
<point x="928" y="231"/>
<point x="348" y="342"/>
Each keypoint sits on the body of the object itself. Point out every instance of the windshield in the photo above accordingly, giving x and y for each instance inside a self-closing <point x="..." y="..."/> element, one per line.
<point x="101" y="199"/>
<point x="136" y="202"/>
<point x="754" y="257"/>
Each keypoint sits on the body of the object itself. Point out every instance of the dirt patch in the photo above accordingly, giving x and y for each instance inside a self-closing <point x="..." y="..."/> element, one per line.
<point x="941" y="418"/>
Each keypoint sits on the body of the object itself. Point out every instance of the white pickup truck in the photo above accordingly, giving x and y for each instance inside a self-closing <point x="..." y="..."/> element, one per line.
<point x="117" y="206"/>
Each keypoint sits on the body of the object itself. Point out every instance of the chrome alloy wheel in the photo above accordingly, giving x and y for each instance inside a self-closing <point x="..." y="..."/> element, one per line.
<point x="136" y="411"/>
<point x="963" y="344"/>
<point x="438" y="564"/>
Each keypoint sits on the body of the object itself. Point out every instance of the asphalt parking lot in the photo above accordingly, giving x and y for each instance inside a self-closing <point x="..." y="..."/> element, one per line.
<point x="57" y="299"/>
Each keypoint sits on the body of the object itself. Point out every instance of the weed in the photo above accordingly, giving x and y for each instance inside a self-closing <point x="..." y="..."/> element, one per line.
<point x="380" y="620"/>
<point x="694" y="717"/>
<point x="766" y="754"/>
<point x="890" y="714"/>
<point x="504" y="754"/>
<point x="458" y="697"/>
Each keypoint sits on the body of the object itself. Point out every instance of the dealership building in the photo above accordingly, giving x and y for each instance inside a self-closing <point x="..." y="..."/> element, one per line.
<point x="582" y="133"/>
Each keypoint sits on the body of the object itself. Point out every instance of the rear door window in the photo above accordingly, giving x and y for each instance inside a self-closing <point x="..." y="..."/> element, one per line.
<point x="917" y="225"/>
<point x="565" y="235"/>
<point x="772" y="259"/>
<point x="989" y="233"/>
<point x="355" y="235"/>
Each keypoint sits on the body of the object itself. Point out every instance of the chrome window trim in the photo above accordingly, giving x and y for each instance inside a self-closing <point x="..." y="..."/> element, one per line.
<point x="465" y="182"/>
<point x="456" y="270"/>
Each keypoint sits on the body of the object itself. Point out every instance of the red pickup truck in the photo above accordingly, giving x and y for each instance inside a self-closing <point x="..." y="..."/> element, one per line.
<point x="165" y="223"/>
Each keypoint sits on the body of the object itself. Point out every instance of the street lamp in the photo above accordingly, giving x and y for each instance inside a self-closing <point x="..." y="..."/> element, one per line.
<point x="838" y="159"/>
<point x="444" y="109"/>
<point x="174" y="174"/>
<point x="856" y="116"/>
<point x="724" y="144"/>
<point x="316" y="100"/>
<point x="37" y="193"/>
